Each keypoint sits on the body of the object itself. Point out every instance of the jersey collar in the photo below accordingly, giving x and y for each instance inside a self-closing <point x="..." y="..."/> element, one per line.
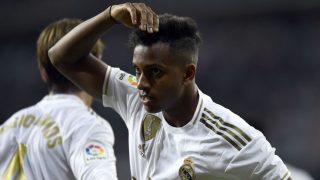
<point x="191" y="123"/>
<point x="51" y="97"/>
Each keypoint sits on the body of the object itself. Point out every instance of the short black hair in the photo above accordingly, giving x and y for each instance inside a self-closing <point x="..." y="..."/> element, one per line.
<point x="181" y="33"/>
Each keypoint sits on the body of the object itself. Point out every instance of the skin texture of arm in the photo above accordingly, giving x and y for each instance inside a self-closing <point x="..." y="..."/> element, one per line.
<point x="71" y="54"/>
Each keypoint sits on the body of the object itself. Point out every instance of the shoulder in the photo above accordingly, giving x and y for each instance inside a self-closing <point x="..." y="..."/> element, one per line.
<point x="226" y="124"/>
<point x="85" y="125"/>
<point x="120" y="77"/>
<point x="72" y="116"/>
<point x="21" y="118"/>
<point x="119" y="88"/>
<point x="98" y="126"/>
<point x="231" y="132"/>
<point x="85" y="117"/>
<point x="100" y="121"/>
<point x="22" y="113"/>
<point x="241" y="146"/>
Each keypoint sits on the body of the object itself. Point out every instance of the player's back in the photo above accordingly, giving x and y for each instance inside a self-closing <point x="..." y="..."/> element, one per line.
<point x="43" y="141"/>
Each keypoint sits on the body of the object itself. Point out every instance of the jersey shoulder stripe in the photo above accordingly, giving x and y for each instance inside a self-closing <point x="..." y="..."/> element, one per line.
<point x="221" y="134"/>
<point x="286" y="176"/>
<point x="228" y="125"/>
<point x="231" y="133"/>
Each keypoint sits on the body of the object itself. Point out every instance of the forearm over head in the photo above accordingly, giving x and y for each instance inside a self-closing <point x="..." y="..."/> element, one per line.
<point x="71" y="54"/>
<point x="78" y="43"/>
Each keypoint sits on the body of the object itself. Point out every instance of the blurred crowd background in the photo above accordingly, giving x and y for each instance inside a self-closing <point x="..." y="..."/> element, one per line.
<point x="260" y="59"/>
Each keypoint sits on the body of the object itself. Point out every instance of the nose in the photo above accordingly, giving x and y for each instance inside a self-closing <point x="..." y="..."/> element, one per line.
<point x="143" y="83"/>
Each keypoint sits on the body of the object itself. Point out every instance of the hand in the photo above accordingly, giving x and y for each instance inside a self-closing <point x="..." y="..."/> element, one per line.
<point x="136" y="15"/>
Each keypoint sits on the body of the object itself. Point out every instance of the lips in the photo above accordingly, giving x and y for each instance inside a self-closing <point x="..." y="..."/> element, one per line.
<point x="146" y="99"/>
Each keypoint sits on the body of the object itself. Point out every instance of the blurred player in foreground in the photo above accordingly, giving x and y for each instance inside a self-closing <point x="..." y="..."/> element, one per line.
<point x="60" y="137"/>
<point x="175" y="130"/>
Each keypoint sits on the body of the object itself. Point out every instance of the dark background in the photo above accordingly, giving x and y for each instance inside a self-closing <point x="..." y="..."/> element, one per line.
<point x="258" y="58"/>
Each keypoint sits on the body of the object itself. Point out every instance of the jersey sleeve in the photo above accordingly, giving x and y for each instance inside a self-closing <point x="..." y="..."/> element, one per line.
<point x="258" y="161"/>
<point x="90" y="152"/>
<point x="119" y="91"/>
<point x="8" y="144"/>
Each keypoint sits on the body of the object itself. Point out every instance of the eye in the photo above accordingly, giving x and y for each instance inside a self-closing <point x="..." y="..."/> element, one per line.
<point x="138" y="72"/>
<point x="156" y="72"/>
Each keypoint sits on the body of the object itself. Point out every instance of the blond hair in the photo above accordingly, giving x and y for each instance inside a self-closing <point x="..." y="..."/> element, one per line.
<point x="48" y="37"/>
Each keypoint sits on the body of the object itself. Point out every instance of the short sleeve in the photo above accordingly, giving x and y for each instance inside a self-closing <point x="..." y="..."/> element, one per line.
<point x="119" y="91"/>
<point x="8" y="144"/>
<point x="258" y="161"/>
<point x="91" y="154"/>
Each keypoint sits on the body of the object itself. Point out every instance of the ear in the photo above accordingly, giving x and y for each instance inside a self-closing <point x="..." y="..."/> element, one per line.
<point x="190" y="73"/>
<point x="43" y="73"/>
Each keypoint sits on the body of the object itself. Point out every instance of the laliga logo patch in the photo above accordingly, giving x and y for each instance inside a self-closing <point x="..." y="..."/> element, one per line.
<point x="94" y="152"/>
<point x="132" y="80"/>
<point x="127" y="79"/>
<point x="186" y="171"/>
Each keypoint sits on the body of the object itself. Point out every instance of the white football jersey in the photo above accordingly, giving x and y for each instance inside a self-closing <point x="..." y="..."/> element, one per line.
<point x="58" y="138"/>
<point x="215" y="144"/>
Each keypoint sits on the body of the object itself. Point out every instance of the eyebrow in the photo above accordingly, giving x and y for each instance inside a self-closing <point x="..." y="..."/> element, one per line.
<point x="149" y="66"/>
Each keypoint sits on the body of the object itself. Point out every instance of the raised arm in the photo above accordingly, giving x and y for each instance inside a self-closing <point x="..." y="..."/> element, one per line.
<point x="71" y="54"/>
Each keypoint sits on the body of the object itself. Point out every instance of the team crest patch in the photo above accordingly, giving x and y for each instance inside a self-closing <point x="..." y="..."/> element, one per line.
<point x="186" y="171"/>
<point x="127" y="79"/>
<point x="94" y="151"/>
<point x="150" y="126"/>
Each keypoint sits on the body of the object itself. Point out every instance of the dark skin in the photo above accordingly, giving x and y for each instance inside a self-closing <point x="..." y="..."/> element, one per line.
<point x="168" y="82"/>
<point x="166" y="78"/>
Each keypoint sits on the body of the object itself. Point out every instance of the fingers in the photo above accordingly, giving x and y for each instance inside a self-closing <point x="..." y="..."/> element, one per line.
<point x="133" y="13"/>
<point x="150" y="26"/>
<point x="143" y="24"/>
<point x="148" y="19"/>
<point x="155" y="23"/>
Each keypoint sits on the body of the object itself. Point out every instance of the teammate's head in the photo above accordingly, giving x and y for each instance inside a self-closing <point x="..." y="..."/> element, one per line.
<point x="56" y="82"/>
<point x="166" y="61"/>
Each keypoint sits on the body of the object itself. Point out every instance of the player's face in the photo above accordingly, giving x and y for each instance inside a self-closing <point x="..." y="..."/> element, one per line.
<point x="159" y="77"/>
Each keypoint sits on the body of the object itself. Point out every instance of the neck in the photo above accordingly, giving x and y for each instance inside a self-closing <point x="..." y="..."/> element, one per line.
<point x="183" y="111"/>
<point x="85" y="98"/>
